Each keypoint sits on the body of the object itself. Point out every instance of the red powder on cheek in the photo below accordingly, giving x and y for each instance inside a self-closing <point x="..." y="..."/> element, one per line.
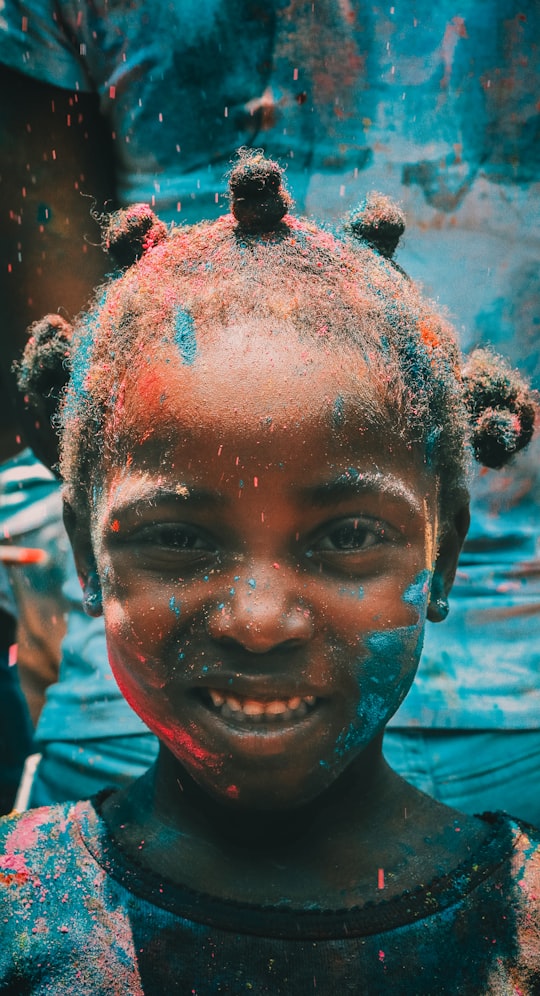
<point x="183" y="746"/>
<point x="232" y="792"/>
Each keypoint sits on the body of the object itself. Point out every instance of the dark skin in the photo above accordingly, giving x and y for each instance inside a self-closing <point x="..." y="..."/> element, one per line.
<point x="288" y="586"/>
<point x="327" y="853"/>
<point x="54" y="147"/>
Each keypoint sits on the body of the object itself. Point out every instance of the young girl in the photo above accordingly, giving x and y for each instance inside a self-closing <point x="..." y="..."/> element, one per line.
<point x="265" y="441"/>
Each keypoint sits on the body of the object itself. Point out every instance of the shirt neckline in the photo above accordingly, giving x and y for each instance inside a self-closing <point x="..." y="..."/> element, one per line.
<point x="373" y="917"/>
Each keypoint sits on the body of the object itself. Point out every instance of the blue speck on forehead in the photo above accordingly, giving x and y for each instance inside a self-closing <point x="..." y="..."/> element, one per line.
<point x="173" y="606"/>
<point x="184" y="335"/>
<point x="338" y="412"/>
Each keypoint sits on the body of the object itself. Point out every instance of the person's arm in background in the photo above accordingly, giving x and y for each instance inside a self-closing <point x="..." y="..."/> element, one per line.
<point x="54" y="148"/>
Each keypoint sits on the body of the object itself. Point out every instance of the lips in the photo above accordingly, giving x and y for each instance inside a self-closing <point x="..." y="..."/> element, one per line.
<point x="254" y="711"/>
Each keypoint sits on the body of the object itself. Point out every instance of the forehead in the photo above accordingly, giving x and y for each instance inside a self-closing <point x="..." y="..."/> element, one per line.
<point x="258" y="407"/>
<point x="235" y="379"/>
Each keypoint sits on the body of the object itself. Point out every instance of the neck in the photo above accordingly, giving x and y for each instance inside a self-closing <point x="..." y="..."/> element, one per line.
<point x="324" y="852"/>
<point x="360" y="796"/>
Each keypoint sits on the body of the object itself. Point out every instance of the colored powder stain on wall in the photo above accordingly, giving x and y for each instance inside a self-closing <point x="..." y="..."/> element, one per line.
<point x="173" y="605"/>
<point x="184" y="336"/>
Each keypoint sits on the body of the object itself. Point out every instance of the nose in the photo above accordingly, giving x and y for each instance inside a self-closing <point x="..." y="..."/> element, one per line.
<point x="262" y="612"/>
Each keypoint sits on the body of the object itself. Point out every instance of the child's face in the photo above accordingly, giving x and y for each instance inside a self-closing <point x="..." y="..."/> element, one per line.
<point x="265" y="562"/>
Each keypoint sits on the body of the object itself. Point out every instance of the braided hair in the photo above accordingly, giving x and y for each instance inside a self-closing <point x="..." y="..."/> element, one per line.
<point x="260" y="263"/>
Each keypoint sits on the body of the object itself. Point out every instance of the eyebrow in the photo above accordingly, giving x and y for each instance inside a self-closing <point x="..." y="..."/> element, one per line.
<point x="180" y="494"/>
<point x="354" y="482"/>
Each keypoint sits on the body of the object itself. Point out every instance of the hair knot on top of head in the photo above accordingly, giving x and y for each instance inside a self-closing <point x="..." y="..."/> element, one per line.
<point x="129" y="233"/>
<point x="500" y="406"/>
<point x="259" y="198"/>
<point x="379" y="222"/>
<point x="43" y="370"/>
<point x="251" y="271"/>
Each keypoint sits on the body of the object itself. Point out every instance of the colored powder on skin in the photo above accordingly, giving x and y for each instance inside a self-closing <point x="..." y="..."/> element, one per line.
<point x="417" y="591"/>
<point x="371" y="712"/>
<point x="184" y="743"/>
<point x="184" y="336"/>
<point x="173" y="605"/>
<point x="385" y="672"/>
<point x="390" y="649"/>
<point x="338" y="412"/>
<point x="354" y="592"/>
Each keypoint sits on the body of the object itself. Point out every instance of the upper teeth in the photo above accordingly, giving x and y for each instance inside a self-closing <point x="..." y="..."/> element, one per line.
<point x="282" y="708"/>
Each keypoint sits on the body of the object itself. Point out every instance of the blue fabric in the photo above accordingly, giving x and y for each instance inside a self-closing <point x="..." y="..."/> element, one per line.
<point x="474" y="771"/>
<point x="78" y="769"/>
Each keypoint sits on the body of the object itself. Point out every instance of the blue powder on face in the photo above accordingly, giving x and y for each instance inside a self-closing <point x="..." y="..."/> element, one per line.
<point x="371" y="712"/>
<point x="184" y="336"/>
<point x="172" y="605"/>
<point x="252" y="583"/>
<point x="384" y="677"/>
<point x="391" y="648"/>
<point x="354" y="592"/>
<point x="338" y="412"/>
<point x="416" y="592"/>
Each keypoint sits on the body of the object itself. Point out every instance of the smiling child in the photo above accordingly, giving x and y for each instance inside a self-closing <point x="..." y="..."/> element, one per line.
<point x="265" y="448"/>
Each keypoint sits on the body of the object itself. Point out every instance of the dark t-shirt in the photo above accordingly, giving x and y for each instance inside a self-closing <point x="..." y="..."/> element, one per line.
<point x="77" y="916"/>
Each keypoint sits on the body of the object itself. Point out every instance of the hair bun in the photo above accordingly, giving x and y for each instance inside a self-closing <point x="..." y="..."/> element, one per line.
<point x="129" y="233"/>
<point x="379" y="222"/>
<point x="259" y="198"/>
<point x="501" y="409"/>
<point x="43" y="369"/>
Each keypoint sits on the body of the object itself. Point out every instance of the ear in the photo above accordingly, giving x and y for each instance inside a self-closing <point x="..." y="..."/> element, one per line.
<point x="450" y="542"/>
<point x="81" y="542"/>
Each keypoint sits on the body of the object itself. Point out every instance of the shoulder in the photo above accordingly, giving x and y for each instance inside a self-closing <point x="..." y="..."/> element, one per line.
<point x="517" y="882"/>
<point x="525" y="856"/>
<point x="59" y="907"/>
<point x="37" y="842"/>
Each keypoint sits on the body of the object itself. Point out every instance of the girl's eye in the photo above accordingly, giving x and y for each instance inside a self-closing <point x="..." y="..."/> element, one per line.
<point x="183" y="539"/>
<point x="350" y="536"/>
<point x="169" y="540"/>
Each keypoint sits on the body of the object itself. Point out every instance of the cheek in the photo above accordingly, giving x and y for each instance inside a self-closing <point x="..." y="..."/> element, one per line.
<point x="383" y="679"/>
<point x="143" y="679"/>
<point x="383" y="673"/>
<point x="133" y="643"/>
